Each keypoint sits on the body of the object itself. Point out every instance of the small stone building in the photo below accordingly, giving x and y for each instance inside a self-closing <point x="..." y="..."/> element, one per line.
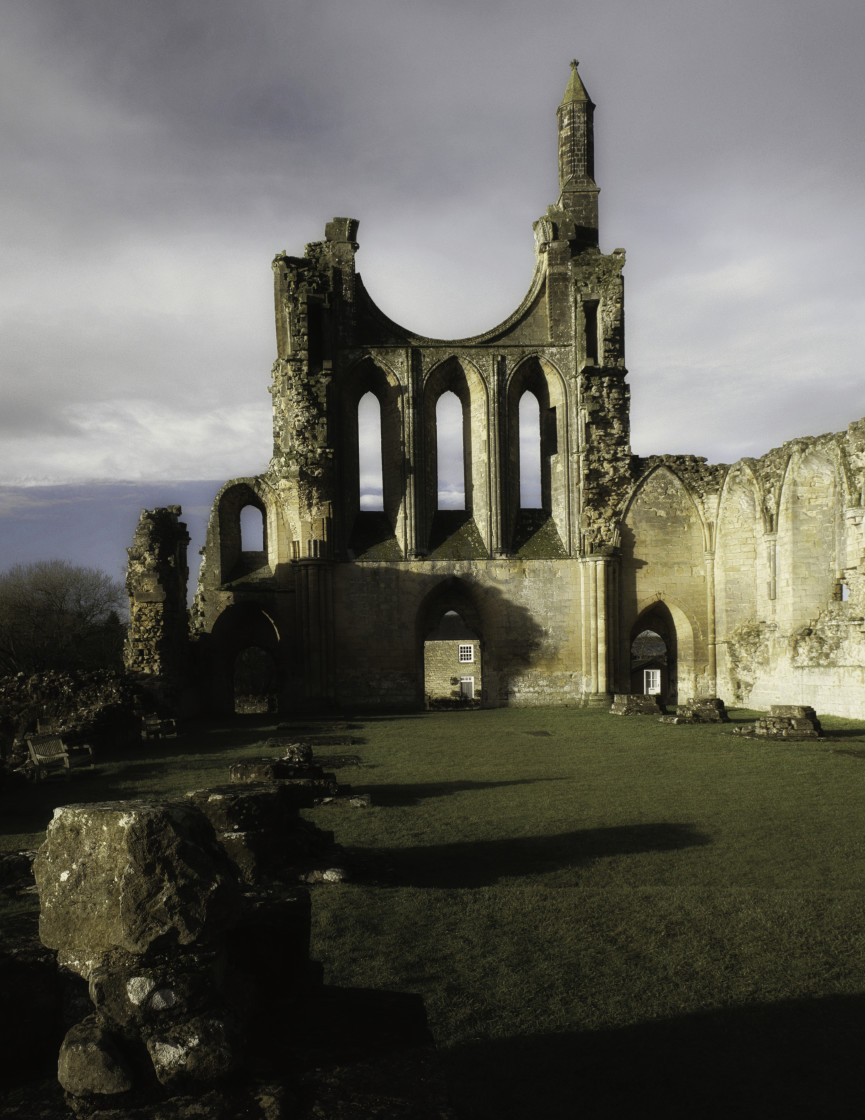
<point x="751" y="575"/>
<point x="452" y="665"/>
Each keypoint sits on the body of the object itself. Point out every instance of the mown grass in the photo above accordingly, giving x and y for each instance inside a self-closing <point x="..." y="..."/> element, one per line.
<point x="605" y="917"/>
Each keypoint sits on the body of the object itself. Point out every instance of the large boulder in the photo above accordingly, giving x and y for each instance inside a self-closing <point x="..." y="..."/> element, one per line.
<point x="131" y="875"/>
<point x="91" y="1062"/>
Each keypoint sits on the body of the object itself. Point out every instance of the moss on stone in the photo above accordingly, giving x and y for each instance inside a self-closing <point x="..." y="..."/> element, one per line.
<point x="455" y="536"/>
<point x="536" y="537"/>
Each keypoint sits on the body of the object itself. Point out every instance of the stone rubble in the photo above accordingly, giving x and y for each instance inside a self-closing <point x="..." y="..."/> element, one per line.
<point x="790" y="722"/>
<point x="700" y="709"/>
<point x="636" y="704"/>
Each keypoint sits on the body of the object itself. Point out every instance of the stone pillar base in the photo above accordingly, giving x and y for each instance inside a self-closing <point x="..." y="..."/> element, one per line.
<point x="596" y="699"/>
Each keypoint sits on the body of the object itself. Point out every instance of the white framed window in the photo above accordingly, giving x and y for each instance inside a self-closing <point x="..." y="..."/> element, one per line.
<point x="467" y="687"/>
<point x="652" y="682"/>
<point x="467" y="653"/>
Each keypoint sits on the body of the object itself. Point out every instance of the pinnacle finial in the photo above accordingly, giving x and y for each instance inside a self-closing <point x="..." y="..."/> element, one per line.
<point x="576" y="91"/>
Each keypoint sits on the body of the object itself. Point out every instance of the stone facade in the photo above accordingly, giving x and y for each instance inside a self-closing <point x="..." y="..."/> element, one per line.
<point x="752" y="574"/>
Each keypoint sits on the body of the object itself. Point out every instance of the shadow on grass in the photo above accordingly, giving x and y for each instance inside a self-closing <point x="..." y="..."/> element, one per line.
<point x="412" y="794"/>
<point x="485" y="862"/>
<point x="28" y="806"/>
<point x="799" y="1058"/>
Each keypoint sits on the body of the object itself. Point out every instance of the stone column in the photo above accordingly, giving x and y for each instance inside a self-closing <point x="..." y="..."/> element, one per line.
<point x="315" y="628"/>
<point x="597" y="629"/>
<point x="772" y="555"/>
<point x="709" y="557"/>
<point x="417" y="518"/>
<point x="498" y="443"/>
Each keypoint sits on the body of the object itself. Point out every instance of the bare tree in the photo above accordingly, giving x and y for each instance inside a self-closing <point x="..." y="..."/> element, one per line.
<point x="57" y="615"/>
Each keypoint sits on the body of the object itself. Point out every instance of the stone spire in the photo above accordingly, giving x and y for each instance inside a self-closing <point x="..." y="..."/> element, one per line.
<point x="578" y="193"/>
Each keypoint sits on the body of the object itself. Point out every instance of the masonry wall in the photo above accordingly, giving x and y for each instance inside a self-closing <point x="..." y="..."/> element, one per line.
<point x="663" y="563"/>
<point x="753" y="573"/>
<point x="527" y="614"/>
<point x="444" y="671"/>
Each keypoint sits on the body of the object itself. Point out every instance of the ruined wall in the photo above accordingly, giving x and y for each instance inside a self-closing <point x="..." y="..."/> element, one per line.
<point x="156" y="580"/>
<point x="794" y="633"/>
<point x="743" y="569"/>
<point x="663" y="562"/>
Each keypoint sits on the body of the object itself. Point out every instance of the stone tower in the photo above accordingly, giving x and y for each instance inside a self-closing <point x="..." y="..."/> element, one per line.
<point x="346" y="591"/>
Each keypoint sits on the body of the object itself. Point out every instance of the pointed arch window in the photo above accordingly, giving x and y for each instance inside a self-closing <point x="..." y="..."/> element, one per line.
<point x="530" y="451"/>
<point x="369" y="453"/>
<point x="450" y="452"/>
<point x="251" y="529"/>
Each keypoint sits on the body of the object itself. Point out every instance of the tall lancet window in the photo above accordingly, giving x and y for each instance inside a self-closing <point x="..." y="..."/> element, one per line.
<point x="251" y="529"/>
<point x="369" y="452"/>
<point x="450" y="452"/>
<point x="530" y="452"/>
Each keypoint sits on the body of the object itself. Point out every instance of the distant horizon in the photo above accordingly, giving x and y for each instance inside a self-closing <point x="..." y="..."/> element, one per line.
<point x="92" y="524"/>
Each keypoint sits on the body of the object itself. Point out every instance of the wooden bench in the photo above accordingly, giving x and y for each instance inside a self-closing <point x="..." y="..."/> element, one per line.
<point x="49" y="752"/>
<point x="152" y="727"/>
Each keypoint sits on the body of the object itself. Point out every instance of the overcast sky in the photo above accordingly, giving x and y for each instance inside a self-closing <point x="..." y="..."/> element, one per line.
<point x="156" y="154"/>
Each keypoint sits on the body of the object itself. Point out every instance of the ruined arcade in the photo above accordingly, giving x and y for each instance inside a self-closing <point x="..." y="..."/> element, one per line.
<point x="751" y="576"/>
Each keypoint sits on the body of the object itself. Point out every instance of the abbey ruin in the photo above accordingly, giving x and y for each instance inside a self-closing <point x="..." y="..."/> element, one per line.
<point x="750" y="578"/>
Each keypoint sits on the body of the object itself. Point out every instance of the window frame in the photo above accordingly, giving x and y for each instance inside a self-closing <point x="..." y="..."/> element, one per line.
<point x="652" y="677"/>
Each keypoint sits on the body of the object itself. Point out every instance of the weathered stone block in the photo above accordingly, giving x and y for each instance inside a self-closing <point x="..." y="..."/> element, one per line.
<point x="301" y="785"/>
<point x="242" y="808"/>
<point x="294" y="751"/>
<point x="702" y="709"/>
<point x="791" y="722"/>
<point x="636" y="704"/>
<point x="131" y="875"/>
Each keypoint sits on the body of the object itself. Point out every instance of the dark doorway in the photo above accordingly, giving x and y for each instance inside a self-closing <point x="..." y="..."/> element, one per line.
<point x="255" y="681"/>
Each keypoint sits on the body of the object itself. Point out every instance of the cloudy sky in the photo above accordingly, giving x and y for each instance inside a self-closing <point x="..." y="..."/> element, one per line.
<point x="157" y="153"/>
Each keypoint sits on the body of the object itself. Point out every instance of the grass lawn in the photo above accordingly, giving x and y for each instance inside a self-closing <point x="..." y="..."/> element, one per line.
<point x="606" y="917"/>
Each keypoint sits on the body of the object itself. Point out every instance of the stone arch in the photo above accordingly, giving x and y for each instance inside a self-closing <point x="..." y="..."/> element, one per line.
<point x="369" y="377"/>
<point x="671" y="623"/>
<point x="545" y="382"/>
<point x="451" y="594"/>
<point x="810" y="535"/>
<point x="741" y="563"/>
<point x="240" y="626"/>
<point x="234" y="560"/>
<point x="464" y="380"/>
<point x="663" y="560"/>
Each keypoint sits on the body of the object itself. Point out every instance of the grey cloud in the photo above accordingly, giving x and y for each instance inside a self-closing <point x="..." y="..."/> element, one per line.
<point x="157" y="154"/>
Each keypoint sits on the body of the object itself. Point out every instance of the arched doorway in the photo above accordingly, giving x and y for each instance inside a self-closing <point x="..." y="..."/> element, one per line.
<point x="653" y="654"/>
<point x="452" y="664"/>
<point x="451" y="655"/>
<point x="244" y="654"/>
<point x="256" y="681"/>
